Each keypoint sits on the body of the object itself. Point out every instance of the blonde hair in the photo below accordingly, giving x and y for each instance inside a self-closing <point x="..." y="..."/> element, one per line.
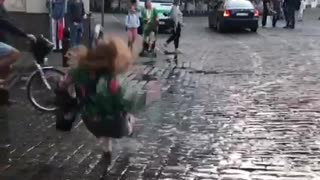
<point x="110" y="56"/>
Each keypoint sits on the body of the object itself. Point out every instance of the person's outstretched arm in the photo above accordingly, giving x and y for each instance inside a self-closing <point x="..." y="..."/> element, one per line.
<point x="7" y="26"/>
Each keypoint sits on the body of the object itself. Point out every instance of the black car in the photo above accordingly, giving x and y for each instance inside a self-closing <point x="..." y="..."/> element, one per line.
<point x="233" y="14"/>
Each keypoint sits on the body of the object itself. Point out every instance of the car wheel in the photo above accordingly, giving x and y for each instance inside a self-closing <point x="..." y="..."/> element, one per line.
<point x="220" y="27"/>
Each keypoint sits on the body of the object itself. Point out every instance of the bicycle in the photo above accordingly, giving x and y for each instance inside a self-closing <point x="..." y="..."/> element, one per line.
<point x="45" y="77"/>
<point x="48" y="76"/>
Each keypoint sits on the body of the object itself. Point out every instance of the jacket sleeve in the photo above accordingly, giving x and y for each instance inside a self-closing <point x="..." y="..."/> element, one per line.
<point x="138" y="21"/>
<point x="126" y="21"/>
<point x="5" y="25"/>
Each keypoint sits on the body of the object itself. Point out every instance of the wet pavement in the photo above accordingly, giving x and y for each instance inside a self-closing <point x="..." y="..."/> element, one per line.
<point x="239" y="106"/>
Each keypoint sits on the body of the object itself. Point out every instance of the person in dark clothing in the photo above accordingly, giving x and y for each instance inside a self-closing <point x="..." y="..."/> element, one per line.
<point x="277" y="9"/>
<point x="8" y="54"/>
<point x="176" y="17"/>
<point x="267" y="10"/>
<point x="290" y="8"/>
<point x="76" y="14"/>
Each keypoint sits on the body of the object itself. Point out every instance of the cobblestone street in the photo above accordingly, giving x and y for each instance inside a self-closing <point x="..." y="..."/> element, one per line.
<point x="239" y="106"/>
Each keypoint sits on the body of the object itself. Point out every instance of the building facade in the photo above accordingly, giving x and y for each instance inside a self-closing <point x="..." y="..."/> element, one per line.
<point x="32" y="16"/>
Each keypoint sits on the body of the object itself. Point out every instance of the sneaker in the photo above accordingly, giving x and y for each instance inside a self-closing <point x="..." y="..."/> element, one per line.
<point x="177" y="51"/>
<point x="291" y="27"/>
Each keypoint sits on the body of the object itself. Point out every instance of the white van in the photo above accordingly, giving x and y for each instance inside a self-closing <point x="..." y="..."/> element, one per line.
<point x="163" y="7"/>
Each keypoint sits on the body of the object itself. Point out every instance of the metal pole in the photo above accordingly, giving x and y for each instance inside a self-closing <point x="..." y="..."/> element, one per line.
<point x="102" y="13"/>
<point x="50" y="19"/>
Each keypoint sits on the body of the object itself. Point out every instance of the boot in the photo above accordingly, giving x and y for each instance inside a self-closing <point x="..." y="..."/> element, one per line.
<point x="153" y="46"/>
<point x="144" y="48"/>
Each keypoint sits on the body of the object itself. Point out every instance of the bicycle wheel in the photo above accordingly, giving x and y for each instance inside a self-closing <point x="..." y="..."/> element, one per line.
<point x="40" y="96"/>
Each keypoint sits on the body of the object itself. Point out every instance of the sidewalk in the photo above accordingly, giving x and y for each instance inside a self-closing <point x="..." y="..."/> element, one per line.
<point x="311" y="14"/>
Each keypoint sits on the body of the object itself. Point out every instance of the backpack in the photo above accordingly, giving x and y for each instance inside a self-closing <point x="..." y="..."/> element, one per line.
<point x="101" y="105"/>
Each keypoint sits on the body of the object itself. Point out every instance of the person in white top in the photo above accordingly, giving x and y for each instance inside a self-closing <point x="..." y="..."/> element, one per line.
<point x="132" y="24"/>
<point x="301" y="10"/>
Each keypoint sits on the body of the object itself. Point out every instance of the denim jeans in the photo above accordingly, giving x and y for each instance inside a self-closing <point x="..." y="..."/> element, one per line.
<point x="76" y="31"/>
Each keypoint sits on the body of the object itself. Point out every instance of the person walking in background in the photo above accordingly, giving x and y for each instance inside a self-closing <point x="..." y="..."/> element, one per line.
<point x="290" y="7"/>
<point x="57" y="14"/>
<point x="150" y="29"/>
<point x="76" y="15"/>
<point x="132" y="23"/>
<point x="285" y="12"/>
<point x="267" y="11"/>
<point x="8" y="54"/>
<point x="276" y="5"/>
<point x="177" y="17"/>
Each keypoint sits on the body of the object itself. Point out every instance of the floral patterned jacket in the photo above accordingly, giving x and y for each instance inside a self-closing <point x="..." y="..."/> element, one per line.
<point x="101" y="94"/>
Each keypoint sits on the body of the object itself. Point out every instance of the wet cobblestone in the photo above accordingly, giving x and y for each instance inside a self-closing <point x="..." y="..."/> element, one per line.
<point x="239" y="106"/>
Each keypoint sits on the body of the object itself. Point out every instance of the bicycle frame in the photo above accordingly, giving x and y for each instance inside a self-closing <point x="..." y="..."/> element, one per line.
<point x="40" y="69"/>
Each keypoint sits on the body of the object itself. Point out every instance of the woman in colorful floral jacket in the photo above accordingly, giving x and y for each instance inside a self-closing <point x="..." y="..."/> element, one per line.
<point x="105" y="106"/>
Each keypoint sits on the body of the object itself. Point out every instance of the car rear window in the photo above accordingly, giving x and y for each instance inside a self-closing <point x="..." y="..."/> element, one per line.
<point x="239" y="4"/>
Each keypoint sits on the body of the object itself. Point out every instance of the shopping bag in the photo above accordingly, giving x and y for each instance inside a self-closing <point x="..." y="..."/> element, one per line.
<point x="67" y="109"/>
